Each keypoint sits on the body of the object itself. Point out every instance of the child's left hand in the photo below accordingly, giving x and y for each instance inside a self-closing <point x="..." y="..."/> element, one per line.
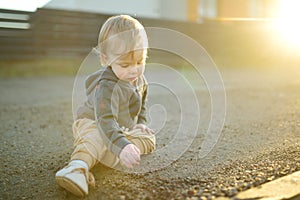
<point x="143" y="128"/>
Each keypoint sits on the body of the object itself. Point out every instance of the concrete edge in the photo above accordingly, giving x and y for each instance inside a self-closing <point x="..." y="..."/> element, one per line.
<point x="287" y="187"/>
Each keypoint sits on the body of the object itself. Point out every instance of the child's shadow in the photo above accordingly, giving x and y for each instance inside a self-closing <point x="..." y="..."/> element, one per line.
<point x="101" y="171"/>
<point x="112" y="183"/>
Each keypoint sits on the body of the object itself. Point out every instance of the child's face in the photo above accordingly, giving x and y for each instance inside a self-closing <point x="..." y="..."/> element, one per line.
<point x="130" y="66"/>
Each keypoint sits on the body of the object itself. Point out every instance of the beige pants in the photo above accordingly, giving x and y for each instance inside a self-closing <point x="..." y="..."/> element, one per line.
<point x="89" y="145"/>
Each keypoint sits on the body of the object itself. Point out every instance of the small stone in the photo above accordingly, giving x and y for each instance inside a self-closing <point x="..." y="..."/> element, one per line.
<point x="246" y="186"/>
<point x="271" y="178"/>
<point x="196" y="187"/>
<point x="191" y="192"/>
<point x="122" y="197"/>
<point x="231" y="192"/>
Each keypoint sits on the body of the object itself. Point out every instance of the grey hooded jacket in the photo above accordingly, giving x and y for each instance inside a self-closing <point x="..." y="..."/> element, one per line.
<point x="114" y="104"/>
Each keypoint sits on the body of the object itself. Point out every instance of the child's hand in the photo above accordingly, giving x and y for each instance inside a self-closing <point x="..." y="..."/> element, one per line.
<point x="130" y="156"/>
<point x="144" y="128"/>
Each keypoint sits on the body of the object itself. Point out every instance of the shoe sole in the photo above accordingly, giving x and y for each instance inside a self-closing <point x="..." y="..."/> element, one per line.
<point x="70" y="186"/>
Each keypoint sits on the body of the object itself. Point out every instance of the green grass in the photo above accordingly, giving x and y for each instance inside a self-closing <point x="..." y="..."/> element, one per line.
<point x="44" y="67"/>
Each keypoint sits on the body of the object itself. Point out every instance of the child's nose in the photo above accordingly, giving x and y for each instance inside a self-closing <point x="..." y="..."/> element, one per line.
<point x="134" y="69"/>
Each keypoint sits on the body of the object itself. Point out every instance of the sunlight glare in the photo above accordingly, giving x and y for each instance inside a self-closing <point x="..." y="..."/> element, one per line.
<point x="28" y="5"/>
<point x="287" y="22"/>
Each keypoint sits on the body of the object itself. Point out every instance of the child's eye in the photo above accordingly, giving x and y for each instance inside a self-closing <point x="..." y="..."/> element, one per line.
<point x="124" y="66"/>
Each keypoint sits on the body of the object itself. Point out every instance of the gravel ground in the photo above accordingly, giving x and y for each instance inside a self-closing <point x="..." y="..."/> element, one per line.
<point x="259" y="141"/>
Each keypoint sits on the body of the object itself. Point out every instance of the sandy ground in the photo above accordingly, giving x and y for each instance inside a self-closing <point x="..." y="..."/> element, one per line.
<point x="259" y="141"/>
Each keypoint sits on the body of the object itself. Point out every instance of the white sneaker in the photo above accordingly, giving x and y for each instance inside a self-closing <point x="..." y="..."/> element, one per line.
<point x="75" y="179"/>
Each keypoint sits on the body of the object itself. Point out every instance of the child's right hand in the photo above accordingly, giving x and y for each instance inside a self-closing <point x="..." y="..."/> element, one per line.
<point x="130" y="156"/>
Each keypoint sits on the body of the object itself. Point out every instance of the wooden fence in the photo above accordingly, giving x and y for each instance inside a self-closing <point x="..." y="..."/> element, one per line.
<point x="51" y="33"/>
<point x="69" y="34"/>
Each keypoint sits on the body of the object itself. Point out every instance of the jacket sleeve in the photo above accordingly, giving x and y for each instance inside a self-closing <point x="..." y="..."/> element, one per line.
<point x="142" y="118"/>
<point x="106" y="116"/>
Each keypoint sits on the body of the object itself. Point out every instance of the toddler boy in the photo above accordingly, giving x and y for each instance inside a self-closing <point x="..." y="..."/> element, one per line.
<point x="111" y="124"/>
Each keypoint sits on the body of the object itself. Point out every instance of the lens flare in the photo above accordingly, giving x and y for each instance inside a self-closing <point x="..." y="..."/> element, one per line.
<point x="287" y="22"/>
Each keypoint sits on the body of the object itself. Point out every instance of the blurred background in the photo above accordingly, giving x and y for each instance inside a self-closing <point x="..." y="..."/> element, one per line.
<point x="54" y="36"/>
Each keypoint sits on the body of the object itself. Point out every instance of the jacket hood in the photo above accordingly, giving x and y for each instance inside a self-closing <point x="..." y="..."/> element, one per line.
<point x="105" y="73"/>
